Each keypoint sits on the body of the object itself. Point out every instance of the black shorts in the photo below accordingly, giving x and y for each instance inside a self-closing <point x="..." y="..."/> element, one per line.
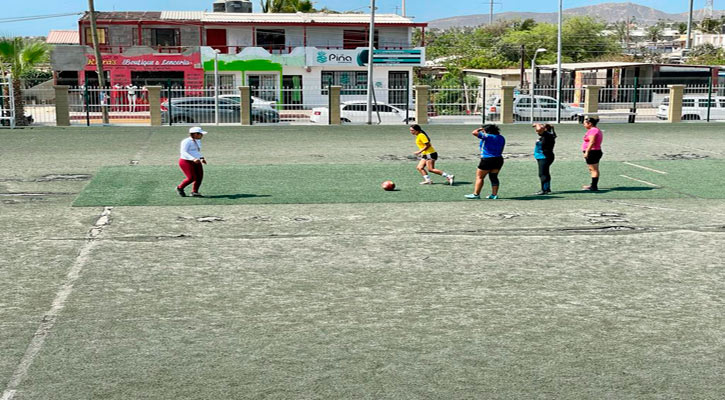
<point x="488" y="164"/>
<point x="431" y="156"/>
<point x="594" y="157"/>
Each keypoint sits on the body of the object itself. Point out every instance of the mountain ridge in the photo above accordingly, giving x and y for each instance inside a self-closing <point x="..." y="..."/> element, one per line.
<point x="611" y="12"/>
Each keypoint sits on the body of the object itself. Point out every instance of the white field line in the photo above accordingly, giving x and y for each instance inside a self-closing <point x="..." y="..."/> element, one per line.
<point x="46" y="325"/>
<point x="639" y="180"/>
<point x="646" y="168"/>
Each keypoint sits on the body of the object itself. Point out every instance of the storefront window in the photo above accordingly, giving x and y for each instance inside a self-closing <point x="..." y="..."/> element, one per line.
<point x="352" y="82"/>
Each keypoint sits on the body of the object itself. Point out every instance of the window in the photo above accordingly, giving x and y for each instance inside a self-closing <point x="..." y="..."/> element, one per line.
<point x="524" y="102"/>
<point x="547" y="103"/>
<point x="382" y="108"/>
<point x="271" y="39"/>
<point x="352" y="82"/>
<point x="352" y="39"/>
<point x="165" y="37"/>
<point x="102" y="36"/>
<point x="688" y="102"/>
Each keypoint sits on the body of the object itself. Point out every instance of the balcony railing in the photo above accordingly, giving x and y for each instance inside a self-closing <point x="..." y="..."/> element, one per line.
<point x="118" y="49"/>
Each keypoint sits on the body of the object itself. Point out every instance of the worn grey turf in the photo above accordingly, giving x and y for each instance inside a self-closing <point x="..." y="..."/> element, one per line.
<point x="610" y="297"/>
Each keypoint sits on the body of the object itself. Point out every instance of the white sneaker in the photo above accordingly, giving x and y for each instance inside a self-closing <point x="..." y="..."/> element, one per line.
<point x="427" y="182"/>
<point x="450" y="180"/>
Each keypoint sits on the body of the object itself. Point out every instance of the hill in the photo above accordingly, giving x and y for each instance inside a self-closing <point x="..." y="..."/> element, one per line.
<point x="608" y="12"/>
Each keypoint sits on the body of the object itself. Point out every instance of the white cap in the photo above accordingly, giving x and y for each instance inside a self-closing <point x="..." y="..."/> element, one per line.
<point x="197" y="129"/>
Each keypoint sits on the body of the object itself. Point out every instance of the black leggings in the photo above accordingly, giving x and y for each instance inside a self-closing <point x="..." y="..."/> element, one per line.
<point x="544" y="174"/>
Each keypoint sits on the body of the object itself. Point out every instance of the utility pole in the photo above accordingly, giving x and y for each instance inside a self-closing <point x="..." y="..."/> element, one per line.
<point x="688" y="43"/>
<point x="404" y="8"/>
<point x="521" y="67"/>
<point x="490" y="13"/>
<point x="99" y="63"/>
<point x="371" y="44"/>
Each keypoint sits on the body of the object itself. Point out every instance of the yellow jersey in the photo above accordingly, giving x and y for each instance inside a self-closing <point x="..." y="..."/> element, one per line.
<point x="421" y="140"/>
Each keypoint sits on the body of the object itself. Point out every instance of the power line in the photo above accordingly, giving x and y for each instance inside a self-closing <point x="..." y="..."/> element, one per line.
<point x="37" y="17"/>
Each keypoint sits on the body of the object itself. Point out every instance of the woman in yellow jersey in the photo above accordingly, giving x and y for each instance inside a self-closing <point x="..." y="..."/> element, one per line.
<point x="427" y="155"/>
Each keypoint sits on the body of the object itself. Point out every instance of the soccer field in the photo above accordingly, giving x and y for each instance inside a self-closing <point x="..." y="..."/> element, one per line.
<point x="299" y="277"/>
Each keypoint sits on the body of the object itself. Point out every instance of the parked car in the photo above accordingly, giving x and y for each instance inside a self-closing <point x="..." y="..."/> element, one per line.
<point x="256" y="101"/>
<point x="695" y="108"/>
<point x="201" y="110"/>
<point x="357" y="111"/>
<point x="544" y="108"/>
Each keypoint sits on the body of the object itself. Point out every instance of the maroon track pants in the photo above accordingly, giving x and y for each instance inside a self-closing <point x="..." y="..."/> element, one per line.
<point x="194" y="173"/>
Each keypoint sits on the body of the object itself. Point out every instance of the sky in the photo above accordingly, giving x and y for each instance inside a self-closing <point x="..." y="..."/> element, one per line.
<point x="420" y="10"/>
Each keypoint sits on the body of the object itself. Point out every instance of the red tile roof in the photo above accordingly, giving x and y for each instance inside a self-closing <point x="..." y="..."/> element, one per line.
<point x="63" y="37"/>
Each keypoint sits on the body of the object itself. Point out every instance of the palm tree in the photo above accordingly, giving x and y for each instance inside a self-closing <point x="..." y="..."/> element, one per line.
<point x="654" y="32"/>
<point x="18" y="56"/>
<point x="286" y="6"/>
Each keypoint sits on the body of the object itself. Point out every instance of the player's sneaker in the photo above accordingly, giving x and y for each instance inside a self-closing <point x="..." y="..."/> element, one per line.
<point x="196" y="194"/>
<point x="450" y="180"/>
<point x="542" y="192"/>
<point x="427" y="182"/>
<point x="180" y="191"/>
<point x="590" y="188"/>
<point x="492" y="197"/>
<point x="473" y="196"/>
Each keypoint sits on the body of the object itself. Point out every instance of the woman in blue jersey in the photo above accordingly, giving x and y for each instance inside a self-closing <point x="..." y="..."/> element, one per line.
<point x="544" y="155"/>
<point x="491" y="147"/>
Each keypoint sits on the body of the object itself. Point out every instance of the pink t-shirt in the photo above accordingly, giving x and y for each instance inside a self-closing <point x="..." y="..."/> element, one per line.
<point x="595" y="135"/>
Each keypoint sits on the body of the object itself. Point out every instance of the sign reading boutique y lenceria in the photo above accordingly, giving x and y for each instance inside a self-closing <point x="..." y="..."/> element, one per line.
<point x="359" y="57"/>
<point x="147" y="62"/>
<point x="121" y="67"/>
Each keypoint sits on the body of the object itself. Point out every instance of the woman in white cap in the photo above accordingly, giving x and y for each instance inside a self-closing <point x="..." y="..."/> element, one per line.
<point x="191" y="162"/>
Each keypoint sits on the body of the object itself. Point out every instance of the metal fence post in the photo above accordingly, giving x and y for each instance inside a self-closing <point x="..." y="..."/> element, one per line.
<point x="483" y="102"/>
<point x="709" y="96"/>
<point x="634" y="102"/>
<point x="86" y="105"/>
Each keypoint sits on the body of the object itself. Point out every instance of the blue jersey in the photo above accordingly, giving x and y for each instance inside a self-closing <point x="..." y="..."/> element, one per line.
<point x="491" y="145"/>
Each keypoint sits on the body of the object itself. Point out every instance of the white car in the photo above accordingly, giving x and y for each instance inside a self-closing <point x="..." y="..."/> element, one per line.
<point x="256" y="101"/>
<point x="694" y="108"/>
<point x="356" y="111"/>
<point x="544" y="108"/>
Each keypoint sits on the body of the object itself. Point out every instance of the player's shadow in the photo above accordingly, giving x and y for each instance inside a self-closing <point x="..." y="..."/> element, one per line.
<point x="593" y="194"/>
<point x="614" y="189"/>
<point x="236" y="196"/>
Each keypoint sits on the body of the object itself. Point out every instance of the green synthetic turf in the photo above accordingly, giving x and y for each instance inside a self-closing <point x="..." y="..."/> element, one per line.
<point x="345" y="183"/>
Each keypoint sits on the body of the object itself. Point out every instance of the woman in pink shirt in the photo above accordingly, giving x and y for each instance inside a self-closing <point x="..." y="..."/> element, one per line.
<point x="592" y="149"/>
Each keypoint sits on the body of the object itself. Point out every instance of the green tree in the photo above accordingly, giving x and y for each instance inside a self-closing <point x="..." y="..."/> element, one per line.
<point x="681" y="28"/>
<point x="654" y="32"/>
<point x="709" y="25"/>
<point x="286" y="6"/>
<point x="19" y="56"/>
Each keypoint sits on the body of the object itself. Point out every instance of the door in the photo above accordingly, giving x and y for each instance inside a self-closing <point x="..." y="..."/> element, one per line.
<point x="398" y="87"/>
<point x="217" y="39"/>
<point x="263" y="86"/>
<point x="292" y="92"/>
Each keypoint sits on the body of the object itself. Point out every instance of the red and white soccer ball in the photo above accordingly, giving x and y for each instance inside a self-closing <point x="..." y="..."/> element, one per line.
<point x="388" y="185"/>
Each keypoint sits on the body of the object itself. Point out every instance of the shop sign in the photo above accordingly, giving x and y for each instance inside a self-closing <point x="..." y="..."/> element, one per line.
<point x="359" y="57"/>
<point x="146" y="62"/>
